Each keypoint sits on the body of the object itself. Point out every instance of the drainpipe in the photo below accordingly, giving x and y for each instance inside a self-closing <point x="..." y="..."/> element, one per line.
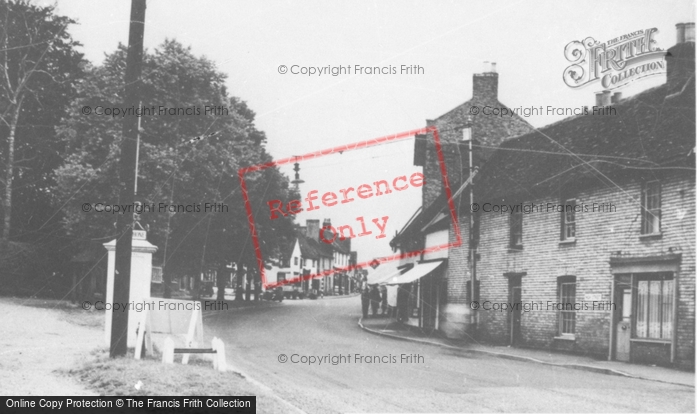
<point x="467" y="136"/>
<point x="612" y="319"/>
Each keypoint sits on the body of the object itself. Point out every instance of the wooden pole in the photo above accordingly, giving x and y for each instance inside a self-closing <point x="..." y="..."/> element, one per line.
<point x="127" y="177"/>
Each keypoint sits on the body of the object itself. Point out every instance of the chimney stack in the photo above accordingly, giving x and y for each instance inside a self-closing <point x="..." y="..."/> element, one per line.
<point x="485" y="85"/>
<point x="326" y="233"/>
<point x="685" y="32"/>
<point x="603" y="98"/>
<point x="312" y="229"/>
<point x="680" y="59"/>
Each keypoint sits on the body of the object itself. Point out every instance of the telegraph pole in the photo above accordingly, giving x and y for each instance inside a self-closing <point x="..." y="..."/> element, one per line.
<point x="128" y="163"/>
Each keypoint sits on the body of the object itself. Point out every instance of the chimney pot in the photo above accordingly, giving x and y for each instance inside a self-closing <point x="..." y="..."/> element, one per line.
<point x="680" y="33"/>
<point x="685" y="32"/>
<point x="690" y="32"/>
<point x="599" y="99"/>
<point x="617" y="97"/>
<point x="493" y="67"/>
<point x="486" y="67"/>
<point x="606" y="98"/>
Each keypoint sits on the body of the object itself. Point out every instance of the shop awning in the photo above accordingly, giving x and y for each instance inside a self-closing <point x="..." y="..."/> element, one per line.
<point x="416" y="272"/>
<point x="382" y="274"/>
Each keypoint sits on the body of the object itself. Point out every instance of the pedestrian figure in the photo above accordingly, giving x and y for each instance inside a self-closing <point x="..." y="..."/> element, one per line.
<point x="375" y="298"/>
<point x="365" y="302"/>
<point x="384" y="299"/>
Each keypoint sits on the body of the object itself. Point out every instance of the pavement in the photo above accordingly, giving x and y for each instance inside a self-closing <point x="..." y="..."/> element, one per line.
<point x="312" y="354"/>
<point x="383" y="325"/>
<point x="39" y="340"/>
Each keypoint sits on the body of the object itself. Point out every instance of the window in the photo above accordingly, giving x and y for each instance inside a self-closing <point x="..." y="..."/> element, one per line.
<point x="296" y="261"/>
<point x="516" y="230"/>
<point x="651" y="208"/>
<point x="568" y="220"/>
<point x="567" y="312"/>
<point x="654" y="308"/>
<point x="281" y="277"/>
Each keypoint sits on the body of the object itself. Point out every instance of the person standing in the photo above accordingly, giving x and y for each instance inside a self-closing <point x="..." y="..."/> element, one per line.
<point x="365" y="302"/>
<point x="384" y="299"/>
<point x="375" y="298"/>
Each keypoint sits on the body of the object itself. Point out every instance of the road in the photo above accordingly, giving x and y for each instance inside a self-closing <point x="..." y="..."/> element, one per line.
<point x="441" y="381"/>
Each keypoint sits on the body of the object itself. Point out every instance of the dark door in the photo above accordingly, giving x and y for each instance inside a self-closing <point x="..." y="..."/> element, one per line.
<point x="428" y="306"/>
<point x="516" y="312"/>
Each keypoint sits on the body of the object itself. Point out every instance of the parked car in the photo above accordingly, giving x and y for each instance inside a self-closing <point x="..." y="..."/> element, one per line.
<point x="291" y="292"/>
<point x="275" y="294"/>
<point x="206" y="289"/>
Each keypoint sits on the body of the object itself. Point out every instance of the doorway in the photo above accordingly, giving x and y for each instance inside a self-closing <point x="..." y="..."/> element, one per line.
<point x="623" y="317"/>
<point x="515" y="293"/>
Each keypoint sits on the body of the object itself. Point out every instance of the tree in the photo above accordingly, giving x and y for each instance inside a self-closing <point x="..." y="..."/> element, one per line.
<point x="39" y="68"/>
<point x="172" y="170"/>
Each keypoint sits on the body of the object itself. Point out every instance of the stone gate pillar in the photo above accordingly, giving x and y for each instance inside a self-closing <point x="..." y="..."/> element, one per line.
<point x="139" y="287"/>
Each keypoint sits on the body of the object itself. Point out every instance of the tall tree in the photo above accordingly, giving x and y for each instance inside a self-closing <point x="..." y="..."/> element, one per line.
<point x="39" y="67"/>
<point x="172" y="169"/>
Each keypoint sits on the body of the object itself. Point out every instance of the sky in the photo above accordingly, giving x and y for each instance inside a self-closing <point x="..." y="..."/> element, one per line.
<point x="450" y="40"/>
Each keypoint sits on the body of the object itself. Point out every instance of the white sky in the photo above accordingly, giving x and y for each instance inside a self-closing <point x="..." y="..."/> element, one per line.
<point x="449" y="39"/>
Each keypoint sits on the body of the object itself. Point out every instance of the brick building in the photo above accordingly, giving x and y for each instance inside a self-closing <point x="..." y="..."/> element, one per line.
<point x="599" y="257"/>
<point x="429" y="227"/>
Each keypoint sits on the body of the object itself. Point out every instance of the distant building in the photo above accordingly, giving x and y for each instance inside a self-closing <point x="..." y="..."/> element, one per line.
<point x="308" y="255"/>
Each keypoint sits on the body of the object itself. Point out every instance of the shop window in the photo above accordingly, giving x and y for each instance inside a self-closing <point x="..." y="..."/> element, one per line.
<point x="654" y="316"/>
<point x="651" y="208"/>
<point x="567" y="303"/>
<point x="568" y="220"/>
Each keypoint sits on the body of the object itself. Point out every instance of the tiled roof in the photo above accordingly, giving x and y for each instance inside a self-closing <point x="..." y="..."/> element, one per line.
<point x="313" y="249"/>
<point x="649" y="132"/>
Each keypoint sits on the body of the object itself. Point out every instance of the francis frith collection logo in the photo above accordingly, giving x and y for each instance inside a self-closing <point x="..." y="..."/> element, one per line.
<point x="615" y="63"/>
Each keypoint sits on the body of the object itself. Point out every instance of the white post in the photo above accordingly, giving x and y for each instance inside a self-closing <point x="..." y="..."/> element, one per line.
<point x="168" y="351"/>
<point x="140" y="337"/>
<point x="220" y="359"/>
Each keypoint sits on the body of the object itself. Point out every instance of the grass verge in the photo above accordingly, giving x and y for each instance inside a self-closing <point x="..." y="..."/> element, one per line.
<point x="149" y="377"/>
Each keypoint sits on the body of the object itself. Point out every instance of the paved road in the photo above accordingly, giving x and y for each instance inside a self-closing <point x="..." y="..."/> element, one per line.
<point x="443" y="381"/>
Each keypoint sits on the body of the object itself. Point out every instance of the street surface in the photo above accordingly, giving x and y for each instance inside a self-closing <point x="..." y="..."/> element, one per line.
<point x="442" y="381"/>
